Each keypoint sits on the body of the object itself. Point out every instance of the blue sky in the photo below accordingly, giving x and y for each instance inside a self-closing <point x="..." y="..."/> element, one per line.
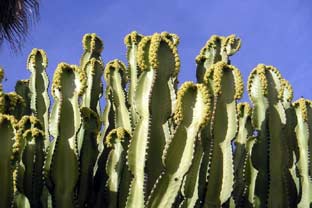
<point x="273" y="32"/>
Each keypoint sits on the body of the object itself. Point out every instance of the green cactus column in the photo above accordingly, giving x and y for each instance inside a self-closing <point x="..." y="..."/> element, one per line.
<point x="9" y="157"/>
<point x="242" y="177"/>
<point x="303" y="108"/>
<point x="38" y="84"/>
<point x="159" y="62"/>
<point x="62" y="166"/>
<point x="132" y="41"/>
<point x="192" y="113"/>
<point x="226" y="84"/>
<point x="30" y="180"/>
<point x="269" y="154"/>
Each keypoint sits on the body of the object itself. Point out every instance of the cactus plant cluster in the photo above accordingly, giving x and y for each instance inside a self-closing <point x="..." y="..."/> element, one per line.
<point x="154" y="145"/>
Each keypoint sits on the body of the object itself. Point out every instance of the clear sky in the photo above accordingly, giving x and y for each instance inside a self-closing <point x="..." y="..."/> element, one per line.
<point x="273" y="32"/>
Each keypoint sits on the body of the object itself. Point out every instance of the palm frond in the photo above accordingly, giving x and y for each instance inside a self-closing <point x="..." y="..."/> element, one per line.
<point x="15" y="18"/>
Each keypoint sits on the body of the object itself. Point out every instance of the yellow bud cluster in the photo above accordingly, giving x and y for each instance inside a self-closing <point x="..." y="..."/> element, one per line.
<point x="92" y="43"/>
<point x="63" y="67"/>
<point x="33" y="133"/>
<point x="35" y="55"/>
<point x="132" y="38"/>
<point x="14" y="100"/>
<point x="260" y="72"/>
<point x="215" y="72"/>
<point x="239" y="83"/>
<point x="172" y="37"/>
<point x="178" y="114"/>
<point x="116" y="135"/>
<point x="27" y="122"/>
<point x="153" y="50"/>
<point x="212" y="43"/>
<point x="114" y="65"/>
<point x="142" y="50"/>
<point x="150" y="45"/>
<point x="288" y="92"/>
<point x="243" y="109"/>
<point x="204" y="93"/>
<point x="233" y="42"/>
<point x="274" y="70"/>
<point x="302" y="104"/>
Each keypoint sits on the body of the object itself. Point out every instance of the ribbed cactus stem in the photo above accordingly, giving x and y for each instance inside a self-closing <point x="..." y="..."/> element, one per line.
<point x="62" y="168"/>
<point x="192" y="113"/>
<point x="33" y="160"/>
<point x="9" y="157"/>
<point x="303" y="110"/>
<point x="159" y="61"/>
<point x="226" y="83"/>
<point x="87" y="153"/>
<point x="132" y="41"/>
<point x="265" y="89"/>
<point x="116" y="79"/>
<point x="117" y="140"/>
<point x="217" y="48"/>
<point x="241" y="155"/>
<point x="38" y="84"/>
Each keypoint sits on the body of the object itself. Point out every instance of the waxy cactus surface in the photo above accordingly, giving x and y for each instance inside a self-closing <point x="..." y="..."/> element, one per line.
<point x="153" y="145"/>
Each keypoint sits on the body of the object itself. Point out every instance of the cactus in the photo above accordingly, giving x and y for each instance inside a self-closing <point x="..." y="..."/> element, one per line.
<point x="38" y="85"/>
<point x="192" y="113"/>
<point x="61" y="167"/>
<point x="265" y="89"/>
<point x="153" y="145"/>
<point x="303" y="112"/>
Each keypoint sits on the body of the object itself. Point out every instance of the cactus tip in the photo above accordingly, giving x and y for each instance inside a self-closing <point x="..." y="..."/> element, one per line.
<point x="92" y="43"/>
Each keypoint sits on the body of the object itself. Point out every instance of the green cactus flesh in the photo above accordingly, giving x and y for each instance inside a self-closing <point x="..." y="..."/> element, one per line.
<point x="192" y="113"/>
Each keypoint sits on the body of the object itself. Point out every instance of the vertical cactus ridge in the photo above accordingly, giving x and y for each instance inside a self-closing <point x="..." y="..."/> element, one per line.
<point x="266" y="90"/>
<point x="22" y="89"/>
<point x="192" y="113"/>
<point x="32" y="160"/>
<point x="159" y="62"/>
<point x="303" y="109"/>
<point x="94" y="70"/>
<point x="132" y="41"/>
<point x="217" y="48"/>
<point x="87" y="153"/>
<point x="116" y="78"/>
<point x="38" y="85"/>
<point x="93" y="47"/>
<point x="241" y="156"/>
<point x="69" y="83"/>
<point x="117" y="140"/>
<point x="288" y="93"/>
<point x="9" y="157"/>
<point x="225" y="82"/>
<point x="189" y="188"/>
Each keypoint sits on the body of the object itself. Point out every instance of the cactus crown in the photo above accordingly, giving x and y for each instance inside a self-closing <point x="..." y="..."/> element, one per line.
<point x="116" y="135"/>
<point x="203" y="93"/>
<point x="215" y="73"/>
<point x="64" y="68"/>
<point x="92" y="43"/>
<point x="37" y="55"/>
<point x="148" y="51"/>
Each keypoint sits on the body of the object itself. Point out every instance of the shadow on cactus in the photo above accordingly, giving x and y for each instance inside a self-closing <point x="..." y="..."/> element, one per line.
<point x="152" y="144"/>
